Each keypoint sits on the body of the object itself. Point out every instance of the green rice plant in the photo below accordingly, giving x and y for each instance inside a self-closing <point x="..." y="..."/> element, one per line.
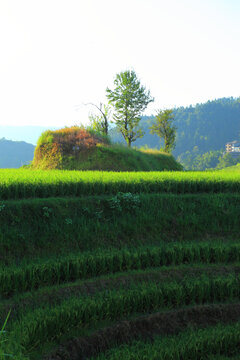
<point x="25" y="183"/>
<point x="38" y="227"/>
<point x="48" y="324"/>
<point x="216" y="342"/>
<point x="17" y="279"/>
<point x="3" y="340"/>
<point x="55" y="295"/>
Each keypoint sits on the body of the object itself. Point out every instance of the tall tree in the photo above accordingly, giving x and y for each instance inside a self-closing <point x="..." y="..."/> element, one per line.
<point x="165" y="129"/>
<point x="129" y="99"/>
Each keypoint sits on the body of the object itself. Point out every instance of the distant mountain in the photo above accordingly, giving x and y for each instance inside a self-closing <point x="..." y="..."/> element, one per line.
<point x="30" y="134"/>
<point x="14" y="154"/>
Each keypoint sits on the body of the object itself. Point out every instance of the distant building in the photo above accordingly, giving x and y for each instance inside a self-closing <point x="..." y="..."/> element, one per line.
<point x="233" y="148"/>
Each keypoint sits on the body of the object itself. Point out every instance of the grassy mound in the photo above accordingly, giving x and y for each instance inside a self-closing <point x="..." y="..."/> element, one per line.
<point x="75" y="148"/>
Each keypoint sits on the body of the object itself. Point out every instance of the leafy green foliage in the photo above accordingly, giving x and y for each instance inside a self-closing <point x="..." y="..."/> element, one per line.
<point x="129" y="99"/>
<point x="47" y="211"/>
<point x="196" y="161"/>
<point x="164" y="128"/>
<point x="124" y="202"/>
<point x="227" y="160"/>
<point x="211" y="160"/>
<point x="100" y="123"/>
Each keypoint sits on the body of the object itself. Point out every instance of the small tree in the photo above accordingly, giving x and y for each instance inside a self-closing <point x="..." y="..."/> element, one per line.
<point x="100" y="122"/>
<point x="165" y="129"/>
<point x="129" y="100"/>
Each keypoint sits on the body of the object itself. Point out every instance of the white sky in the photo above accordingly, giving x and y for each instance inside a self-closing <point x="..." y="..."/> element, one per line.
<point x="55" y="54"/>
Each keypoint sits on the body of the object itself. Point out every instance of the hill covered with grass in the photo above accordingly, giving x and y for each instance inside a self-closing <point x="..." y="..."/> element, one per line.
<point x="76" y="148"/>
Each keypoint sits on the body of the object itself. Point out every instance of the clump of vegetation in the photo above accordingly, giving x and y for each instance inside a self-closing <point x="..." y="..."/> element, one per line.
<point x="124" y="202"/>
<point x="213" y="159"/>
<point x="164" y="128"/>
<point x="56" y="149"/>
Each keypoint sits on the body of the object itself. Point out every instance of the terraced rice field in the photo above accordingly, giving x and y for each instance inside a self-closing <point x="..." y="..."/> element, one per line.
<point x="19" y="184"/>
<point x="119" y="266"/>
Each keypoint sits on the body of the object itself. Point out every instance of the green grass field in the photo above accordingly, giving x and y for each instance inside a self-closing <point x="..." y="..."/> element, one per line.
<point x="102" y="265"/>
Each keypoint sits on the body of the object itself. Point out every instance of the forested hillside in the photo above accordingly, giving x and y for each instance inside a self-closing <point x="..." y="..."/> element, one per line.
<point x="200" y="129"/>
<point x="208" y="126"/>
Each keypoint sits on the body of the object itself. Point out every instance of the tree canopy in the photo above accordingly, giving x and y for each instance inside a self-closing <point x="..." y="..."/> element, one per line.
<point x="164" y="128"/>
<point x="129" y="99"/>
